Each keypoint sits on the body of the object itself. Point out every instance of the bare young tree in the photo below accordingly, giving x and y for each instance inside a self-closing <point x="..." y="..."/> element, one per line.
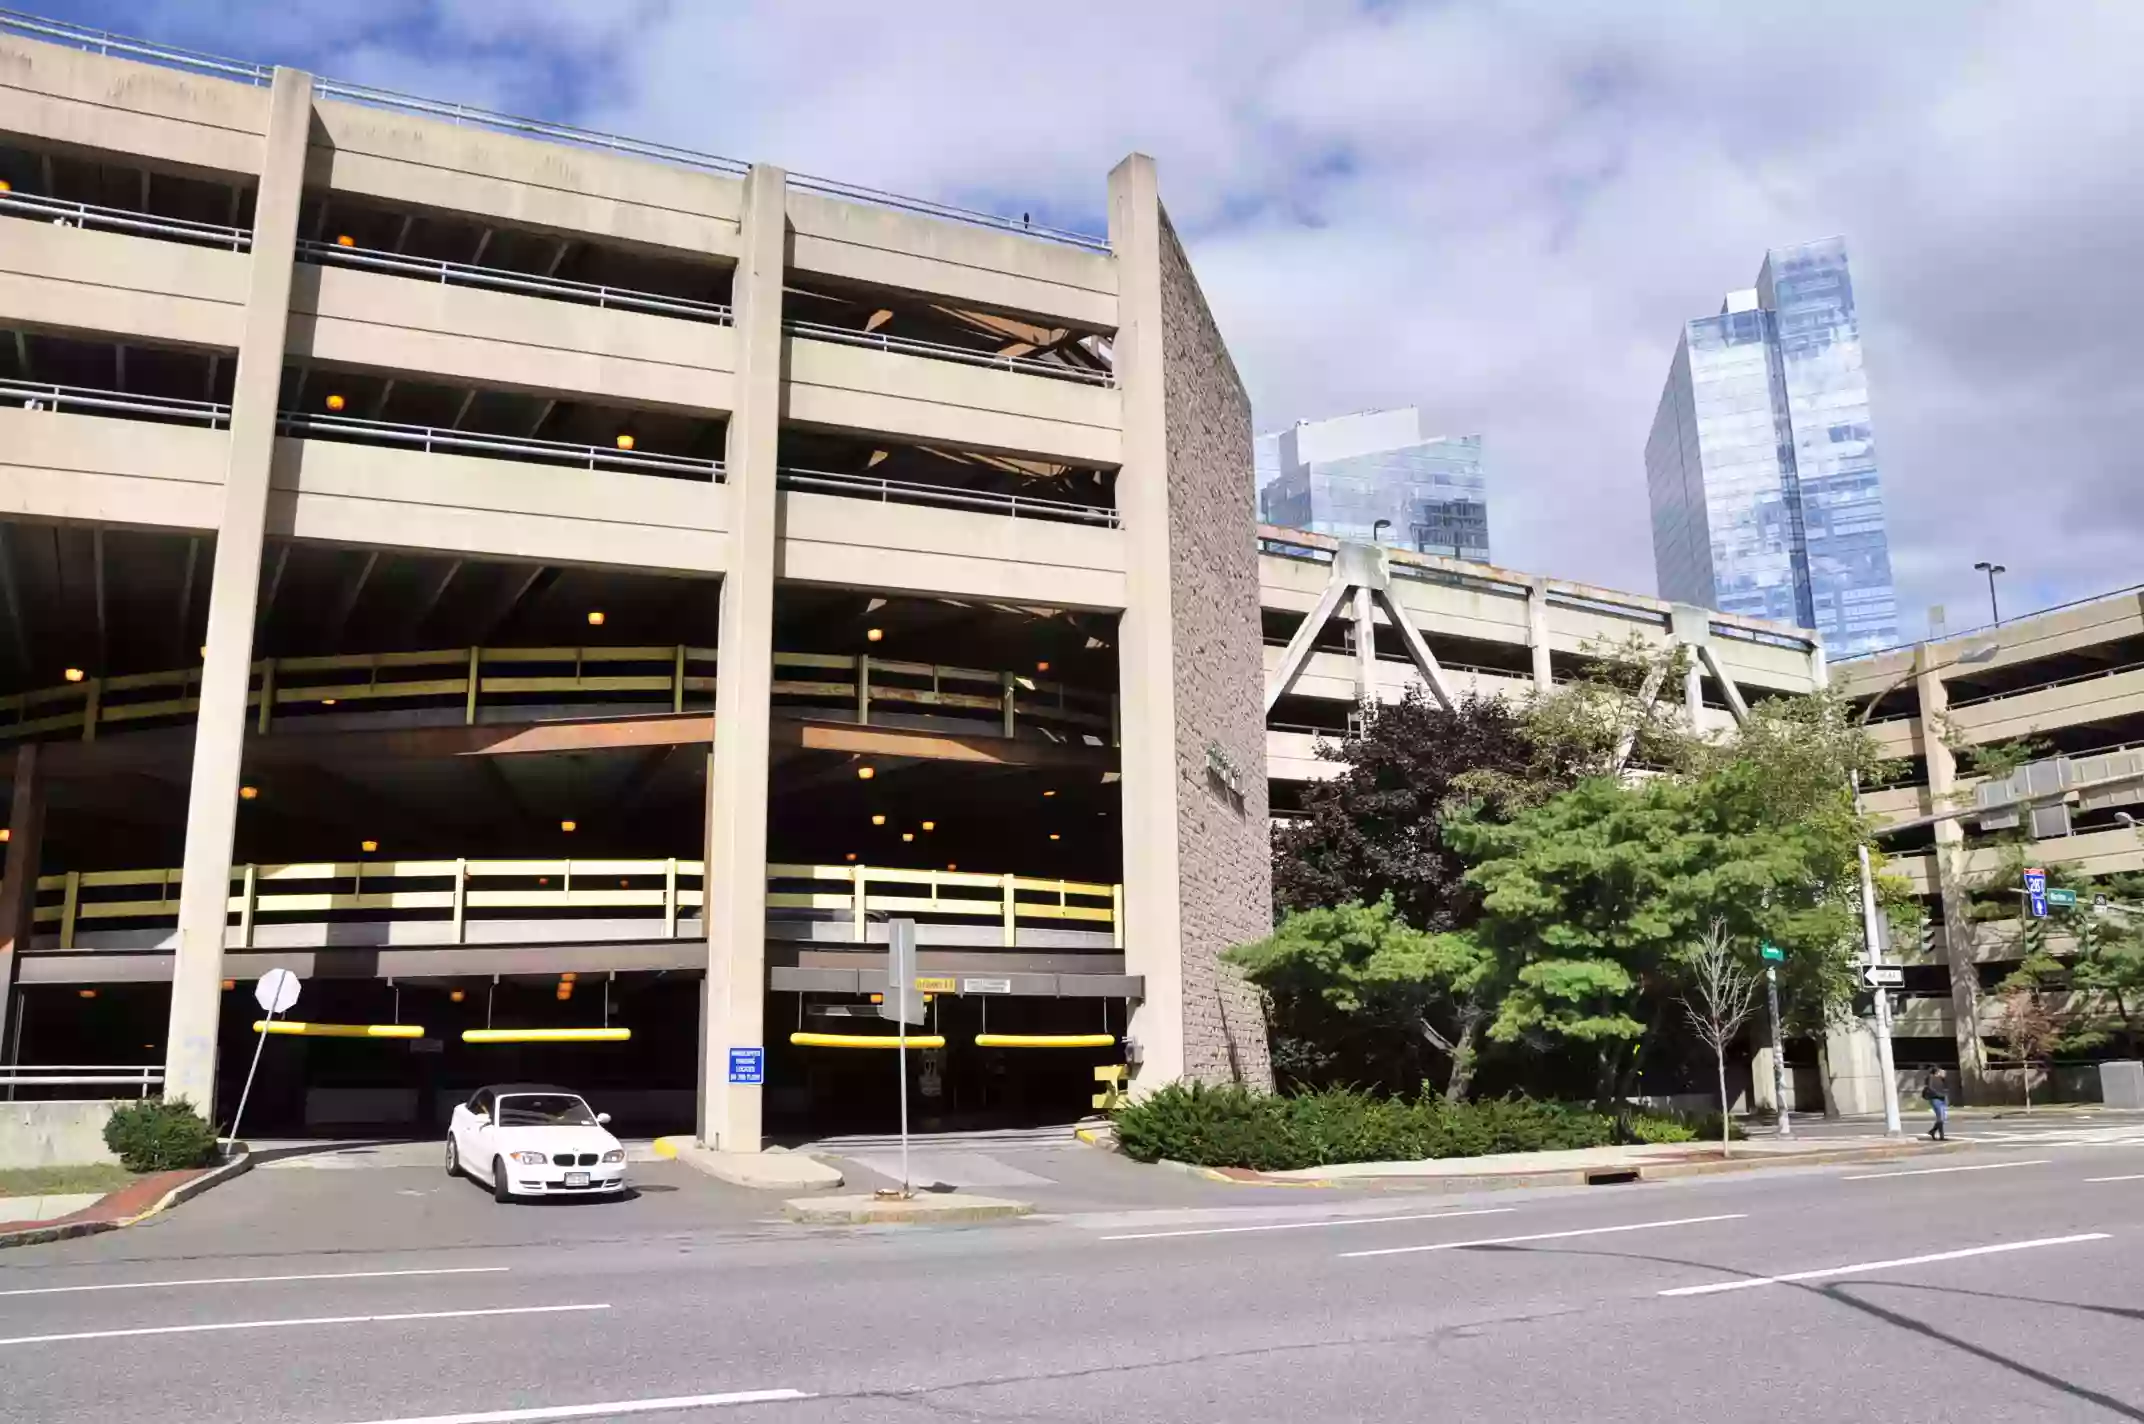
<point x="1721" y="996"/>
<point x="2029" y="1028"/>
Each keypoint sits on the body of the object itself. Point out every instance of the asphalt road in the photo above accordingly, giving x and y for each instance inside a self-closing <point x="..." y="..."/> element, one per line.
<point x="2000" y="1283"/>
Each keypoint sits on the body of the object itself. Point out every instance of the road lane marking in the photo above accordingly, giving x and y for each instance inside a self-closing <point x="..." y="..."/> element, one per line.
<point x="308" y="1320"/>
<point x="2132" y="1177"/>
<point x="1938" y="1171"/>
<point x="1866" y="1266"/>
<point x="614" y="1407"/>
<point x="1306" y="1225"/>
<point x="1546" y="1235"/>
<point x="257" y="1280"/>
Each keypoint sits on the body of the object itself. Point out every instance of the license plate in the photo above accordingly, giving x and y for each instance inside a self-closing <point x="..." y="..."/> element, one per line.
<point x="576" y="1179"/>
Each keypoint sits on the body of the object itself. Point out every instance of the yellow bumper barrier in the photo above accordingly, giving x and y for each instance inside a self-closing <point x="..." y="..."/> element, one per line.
<point x="1045" y="1040"/>
<point x="298" y="1029"/>
<point x="1111" y="1076"/>
<point x="546" y="1035"/>
<point x="865" y="1040"/>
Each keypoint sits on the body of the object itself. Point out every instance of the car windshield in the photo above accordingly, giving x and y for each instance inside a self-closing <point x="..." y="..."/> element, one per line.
<point x="544" y="1110"/>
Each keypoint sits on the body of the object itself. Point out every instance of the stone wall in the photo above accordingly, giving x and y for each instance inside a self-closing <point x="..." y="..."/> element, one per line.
<point x="1226" y="873"/>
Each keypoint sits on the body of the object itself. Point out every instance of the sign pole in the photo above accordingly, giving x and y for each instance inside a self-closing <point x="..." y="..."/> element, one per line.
<point x="901" y="1001"/>
<point x="276" y="991"/>
<point x="1779" y="1052"/>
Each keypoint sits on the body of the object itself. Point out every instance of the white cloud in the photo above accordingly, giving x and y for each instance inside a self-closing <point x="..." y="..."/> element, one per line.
<point x="1501" y="210"/>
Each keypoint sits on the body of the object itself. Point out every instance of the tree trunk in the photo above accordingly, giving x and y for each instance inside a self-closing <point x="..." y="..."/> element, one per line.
<point x="1464" y="1052"/>
<point x="1720" y="1057"/>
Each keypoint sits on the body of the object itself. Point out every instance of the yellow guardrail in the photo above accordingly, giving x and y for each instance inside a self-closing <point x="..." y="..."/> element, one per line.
<point x="467" y="676"/>
<point x="1045" y="1040"/>
<point x="865" y="1040"/>
<point x="663" y="888"/>
<point x="297" y="1028"/>
<point x="546" y="1035"/>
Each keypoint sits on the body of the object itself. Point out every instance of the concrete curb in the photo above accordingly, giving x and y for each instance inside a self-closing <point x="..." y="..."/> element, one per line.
<point x="1104" y="1136"/>
<point x="1583" y="1176"/>
<point x="65" y="1230"/>
<point x="927" y="1209"/>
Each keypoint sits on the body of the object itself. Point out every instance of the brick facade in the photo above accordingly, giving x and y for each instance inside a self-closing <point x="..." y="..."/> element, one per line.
<point x="1226" y="873"/>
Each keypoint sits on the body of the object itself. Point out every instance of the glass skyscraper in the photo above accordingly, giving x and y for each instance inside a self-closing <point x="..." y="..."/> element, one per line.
<point x="1340" y="477"/>
<point x="1761" y="469"/>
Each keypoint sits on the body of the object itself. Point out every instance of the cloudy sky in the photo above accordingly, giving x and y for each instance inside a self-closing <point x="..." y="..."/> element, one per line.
<point x="1500" y="210"/>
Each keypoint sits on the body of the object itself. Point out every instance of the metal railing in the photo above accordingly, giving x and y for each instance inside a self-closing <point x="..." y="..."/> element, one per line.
<point x="34" y="396"/>
<point x="431" y="439"/>
<point x="91" y="215"/>
<point x="468" y="274"/>
<point x="455" y="892"/>
<point x="943" y="351"/>
<point x="126" y="47"/>
<point x="141" y="1077"/>
<point x="984" y="701"/>
<point x="925" y="207"/>
<point x="912" y="492"/>
<point x="2071" y="681"/>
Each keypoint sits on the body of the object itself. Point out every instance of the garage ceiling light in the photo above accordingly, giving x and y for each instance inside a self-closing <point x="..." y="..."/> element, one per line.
<point x="569" y="827"/>
<point x="85" y="993"/>
<point x="343" y="239"/>
<point x="368" y="847"/>
<point x="249" y="793"/>
<point x="595" y="617"/>
<point x="908" y="835"/>
<point x="872" y="635"/>
<point x="1042" y="667"/>
<point x="327" y="702"/>
<point x="879" y="820"/>
<point x="865" y="773"/>
<point x="336" y="402"/>
<point x="930" y="825"/>
<point x="230" y="983"/>
<point x="626" y="440"/>
<point x="568" y="976"/>
<point x="456" y="996"/>
<point x="1049" y="793"/>
<point x="6" y="835"/>
<point x="850" y="856"/>
<point x="1053" y="835"/>
<point x="74" y="674"/>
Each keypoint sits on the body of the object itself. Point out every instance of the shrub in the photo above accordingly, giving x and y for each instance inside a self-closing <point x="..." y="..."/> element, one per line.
<point x="1235" y="1127"/>
<point x="154" y="1135"/>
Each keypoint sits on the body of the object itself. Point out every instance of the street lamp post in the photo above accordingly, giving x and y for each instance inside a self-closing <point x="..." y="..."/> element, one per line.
<point x="1995" y="614"/>
<point x="1870" y="939"/>
<point x="1377" y="530"/>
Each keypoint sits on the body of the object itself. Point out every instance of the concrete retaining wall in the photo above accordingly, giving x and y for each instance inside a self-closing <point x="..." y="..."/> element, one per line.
<point x="54" y="1134"/>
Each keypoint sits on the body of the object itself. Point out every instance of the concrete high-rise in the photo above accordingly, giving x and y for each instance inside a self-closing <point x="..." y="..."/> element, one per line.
<point x="1761" y="466"/>
<point x="1343" y="476"/>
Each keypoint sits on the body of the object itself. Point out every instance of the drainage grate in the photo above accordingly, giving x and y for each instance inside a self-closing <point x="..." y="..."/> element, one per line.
<point x="1611" y="1176"/>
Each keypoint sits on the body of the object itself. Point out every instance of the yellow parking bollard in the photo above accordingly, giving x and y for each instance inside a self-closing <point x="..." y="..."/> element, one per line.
<point x="1111" y="1075"/>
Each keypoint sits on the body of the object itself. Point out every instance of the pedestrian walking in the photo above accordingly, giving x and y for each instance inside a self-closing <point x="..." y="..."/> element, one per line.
<point x="1936" y="1088"/>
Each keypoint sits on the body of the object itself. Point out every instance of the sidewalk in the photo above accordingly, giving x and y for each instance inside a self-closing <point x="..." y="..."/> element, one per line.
<point x="1589" y="1165"/>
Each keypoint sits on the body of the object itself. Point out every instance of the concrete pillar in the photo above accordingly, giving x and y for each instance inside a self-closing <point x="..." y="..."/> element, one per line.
<point x="220" y="730"/>
<point x="1853" y="1071"/>
<point x="1153" y="928"/>
<point x="1693" y="691"/>
<point x="1949" y="862"/>
<point x="18" y="878"/>
<point x="1197" y="863"/>
<point x="1537" y="634"/>
<point x="736" y="883"/>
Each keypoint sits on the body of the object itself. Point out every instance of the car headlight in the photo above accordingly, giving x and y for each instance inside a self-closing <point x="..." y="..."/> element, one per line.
<point x="616" y="1154"/>
<point x="528" y="1159"/>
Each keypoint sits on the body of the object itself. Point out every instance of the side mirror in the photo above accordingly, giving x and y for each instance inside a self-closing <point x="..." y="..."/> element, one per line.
<point x="602" y="1118"/>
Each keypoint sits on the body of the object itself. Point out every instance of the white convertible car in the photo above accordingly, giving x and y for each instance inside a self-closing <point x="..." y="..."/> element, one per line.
<point x="532" y="1140"/>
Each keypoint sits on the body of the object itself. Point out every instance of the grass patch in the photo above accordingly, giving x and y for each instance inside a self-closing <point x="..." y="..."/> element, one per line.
<point x="59" y="1181"/>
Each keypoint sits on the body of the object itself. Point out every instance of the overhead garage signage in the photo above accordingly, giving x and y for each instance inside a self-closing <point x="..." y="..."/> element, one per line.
<point x="933" y="984"/>
<point x="986" y="986"/>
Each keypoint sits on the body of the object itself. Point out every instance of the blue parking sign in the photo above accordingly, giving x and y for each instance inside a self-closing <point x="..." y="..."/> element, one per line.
<point x="748" y="1065"/>
<point x="2036" y="893"/>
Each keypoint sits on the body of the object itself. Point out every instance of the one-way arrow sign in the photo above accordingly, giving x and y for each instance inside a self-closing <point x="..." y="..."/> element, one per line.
<point x="1884" y="976"/>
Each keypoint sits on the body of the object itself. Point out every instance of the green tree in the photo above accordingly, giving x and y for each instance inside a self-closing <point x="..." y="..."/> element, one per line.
<point x="1373" y="978"/>
<point x="2108" y="972"/>
<point x="1591" y="896"/>
<point x="1374" y="833"/>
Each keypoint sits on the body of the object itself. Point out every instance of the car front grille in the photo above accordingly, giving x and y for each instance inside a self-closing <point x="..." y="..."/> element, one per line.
<point x="568" y="1159"/>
